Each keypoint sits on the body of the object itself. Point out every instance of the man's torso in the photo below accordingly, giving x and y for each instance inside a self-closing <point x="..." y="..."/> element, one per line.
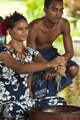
<point x="46" y="36"/>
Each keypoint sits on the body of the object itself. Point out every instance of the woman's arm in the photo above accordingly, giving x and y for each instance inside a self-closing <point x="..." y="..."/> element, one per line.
<point x="12" y="63"/>
<point x="50" y="72"/>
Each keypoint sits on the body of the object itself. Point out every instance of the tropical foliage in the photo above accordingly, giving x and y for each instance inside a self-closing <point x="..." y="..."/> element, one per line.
<point x="34" y="9"/>
<point x="73" y="10"/>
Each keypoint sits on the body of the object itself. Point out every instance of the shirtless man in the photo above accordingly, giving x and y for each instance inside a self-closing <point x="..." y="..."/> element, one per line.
<point x="44" y="31"/>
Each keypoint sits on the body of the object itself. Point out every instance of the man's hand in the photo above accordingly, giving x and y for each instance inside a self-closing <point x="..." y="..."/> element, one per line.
<point x="48" y="76"/>
<point x="50" y="73"/>
<point x="60" y="70"/>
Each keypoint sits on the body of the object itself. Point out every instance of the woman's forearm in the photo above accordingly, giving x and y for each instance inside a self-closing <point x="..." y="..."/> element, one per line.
<point x="32" y="67"/>
<point x="14" y="64"/>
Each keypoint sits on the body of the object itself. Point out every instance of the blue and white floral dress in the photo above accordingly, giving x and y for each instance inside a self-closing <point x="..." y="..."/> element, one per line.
<point x="15" y="98"/>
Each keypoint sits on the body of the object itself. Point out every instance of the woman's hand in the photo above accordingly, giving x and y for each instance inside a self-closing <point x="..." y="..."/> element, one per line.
<point x="61" y="70"/>
<point x="58" y="61"/>
<point x="58" y="65"/>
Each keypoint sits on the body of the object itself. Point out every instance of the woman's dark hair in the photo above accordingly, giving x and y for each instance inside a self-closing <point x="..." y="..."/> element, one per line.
<point x="9" y="22"/>
<point x="13" y="19"/>
<point x="48" y="2"/>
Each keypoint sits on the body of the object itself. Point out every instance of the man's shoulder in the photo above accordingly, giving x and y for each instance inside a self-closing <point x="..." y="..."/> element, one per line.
<point x="63" y="21"/>
<point x="64" y="25"/>
<point x="36" y="22"/>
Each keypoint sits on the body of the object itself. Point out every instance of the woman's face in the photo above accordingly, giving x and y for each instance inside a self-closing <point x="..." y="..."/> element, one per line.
<point x="20" y="30"/>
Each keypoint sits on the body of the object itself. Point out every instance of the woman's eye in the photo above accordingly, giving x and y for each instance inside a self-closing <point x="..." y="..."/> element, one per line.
<point x="26" y="28"/>
<point x="19" y="28"/>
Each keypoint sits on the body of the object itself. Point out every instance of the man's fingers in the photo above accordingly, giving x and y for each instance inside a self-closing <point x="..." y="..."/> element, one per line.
<point x="49" y="76"/>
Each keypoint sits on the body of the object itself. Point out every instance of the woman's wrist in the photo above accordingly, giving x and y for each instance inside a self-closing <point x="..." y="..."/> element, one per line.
<point x="49" y="65"/>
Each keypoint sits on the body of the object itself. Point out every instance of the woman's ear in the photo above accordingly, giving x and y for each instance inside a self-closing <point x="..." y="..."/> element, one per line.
<point x="9" y="31"/>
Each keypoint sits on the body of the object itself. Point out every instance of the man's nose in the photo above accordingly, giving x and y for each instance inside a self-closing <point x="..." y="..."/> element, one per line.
<point x="59" y="13"/>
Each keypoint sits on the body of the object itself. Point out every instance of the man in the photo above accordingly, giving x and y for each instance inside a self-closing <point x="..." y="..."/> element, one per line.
<point x="42" y="33"/>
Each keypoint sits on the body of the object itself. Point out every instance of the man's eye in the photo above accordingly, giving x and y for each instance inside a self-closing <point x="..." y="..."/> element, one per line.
<point x="54" y="10"/>
<point x="61" y="10"/>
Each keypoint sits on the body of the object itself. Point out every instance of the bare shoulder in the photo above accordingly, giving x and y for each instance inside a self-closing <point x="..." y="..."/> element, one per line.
<point x="3" y="56"/>
<point x="64" y="21"/>
<point x="36" y="23"/>
<point x="64" y="24"/>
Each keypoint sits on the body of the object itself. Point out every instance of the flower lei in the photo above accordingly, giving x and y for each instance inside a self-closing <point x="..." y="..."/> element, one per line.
<point x="4" y="27"/>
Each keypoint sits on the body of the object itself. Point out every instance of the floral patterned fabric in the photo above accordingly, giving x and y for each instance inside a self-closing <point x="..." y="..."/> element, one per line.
<point x="14" y="92"/>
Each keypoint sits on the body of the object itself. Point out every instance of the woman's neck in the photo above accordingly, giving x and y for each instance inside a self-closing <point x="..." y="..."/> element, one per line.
<point x="18" y="49"/>
<point x="18" y="46"/>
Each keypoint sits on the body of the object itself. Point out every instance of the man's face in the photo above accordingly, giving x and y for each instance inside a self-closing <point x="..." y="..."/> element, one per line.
<point x="54" y="12"/>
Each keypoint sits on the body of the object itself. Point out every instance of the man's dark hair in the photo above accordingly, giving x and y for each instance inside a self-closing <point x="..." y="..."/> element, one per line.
<point x="48" y="2"/>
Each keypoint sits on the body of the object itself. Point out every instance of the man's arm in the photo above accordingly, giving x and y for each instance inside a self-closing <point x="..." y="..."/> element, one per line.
<point x="29" y="84"/>
<point x="32" y="35"/>
<point x="68" y="45"/>
<point x="31" y="42"/>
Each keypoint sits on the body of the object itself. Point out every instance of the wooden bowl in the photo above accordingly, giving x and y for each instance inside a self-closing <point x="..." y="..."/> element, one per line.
<point x="55" y="113"/>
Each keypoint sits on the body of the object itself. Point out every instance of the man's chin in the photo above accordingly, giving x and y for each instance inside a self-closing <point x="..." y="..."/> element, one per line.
<point x="56" y="22"/>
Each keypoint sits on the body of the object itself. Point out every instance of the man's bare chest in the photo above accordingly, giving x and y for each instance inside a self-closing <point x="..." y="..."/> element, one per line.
<point x="47" y="37"/>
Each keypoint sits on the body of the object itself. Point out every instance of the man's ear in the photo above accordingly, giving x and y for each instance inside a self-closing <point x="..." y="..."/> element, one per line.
<point x="45" y="9"/>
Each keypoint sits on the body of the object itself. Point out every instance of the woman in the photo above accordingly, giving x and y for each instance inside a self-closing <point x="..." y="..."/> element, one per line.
<point x="16" y="65"/>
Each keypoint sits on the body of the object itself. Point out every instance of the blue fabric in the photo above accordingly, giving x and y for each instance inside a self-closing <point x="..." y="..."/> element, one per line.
<point x="15" y="97"/>
<point x="42" y="87"/>
<point x="14" y="91"/>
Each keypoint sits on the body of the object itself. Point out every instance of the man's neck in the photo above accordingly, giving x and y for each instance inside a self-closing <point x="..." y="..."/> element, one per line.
<point x="48" y="24"/>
